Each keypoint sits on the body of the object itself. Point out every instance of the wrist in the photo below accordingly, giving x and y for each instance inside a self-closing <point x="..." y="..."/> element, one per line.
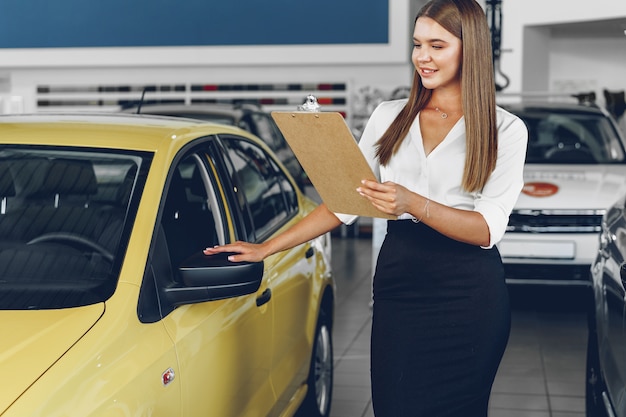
<point x="425" y="212"/>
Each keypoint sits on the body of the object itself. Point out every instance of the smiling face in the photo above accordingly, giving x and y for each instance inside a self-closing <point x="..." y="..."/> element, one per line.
<point x="437" y="55"/>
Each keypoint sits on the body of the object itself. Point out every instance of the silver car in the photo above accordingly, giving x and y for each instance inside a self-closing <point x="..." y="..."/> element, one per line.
<point x="575" y="169"/>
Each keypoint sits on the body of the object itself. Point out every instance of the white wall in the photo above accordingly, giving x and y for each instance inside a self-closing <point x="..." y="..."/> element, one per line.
<point x="24" y="82"/>
<point x="525" y="52"/>
<point x="594" y="63"/>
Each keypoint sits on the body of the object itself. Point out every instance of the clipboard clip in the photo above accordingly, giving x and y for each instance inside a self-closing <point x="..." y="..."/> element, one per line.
<point x="310" y="104"/>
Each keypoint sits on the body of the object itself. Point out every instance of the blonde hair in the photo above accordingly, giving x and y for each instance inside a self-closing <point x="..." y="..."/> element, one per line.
<point x="466" y="20"/>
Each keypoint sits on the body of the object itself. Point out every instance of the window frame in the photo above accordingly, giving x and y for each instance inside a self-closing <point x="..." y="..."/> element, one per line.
<point x="151" y="307"/>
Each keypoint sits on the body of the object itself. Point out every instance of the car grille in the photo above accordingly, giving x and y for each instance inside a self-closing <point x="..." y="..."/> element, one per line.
<point x="555" y="221"/>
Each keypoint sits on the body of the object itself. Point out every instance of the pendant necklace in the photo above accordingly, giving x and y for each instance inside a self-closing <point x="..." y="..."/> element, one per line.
<point x="444" y="115"/>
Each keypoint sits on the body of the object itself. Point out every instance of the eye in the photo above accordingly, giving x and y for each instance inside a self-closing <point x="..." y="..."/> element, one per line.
<point x="417" y="45"/>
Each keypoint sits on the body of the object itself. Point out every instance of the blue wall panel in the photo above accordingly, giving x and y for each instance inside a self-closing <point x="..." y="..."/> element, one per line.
<point x="120" y="23"/>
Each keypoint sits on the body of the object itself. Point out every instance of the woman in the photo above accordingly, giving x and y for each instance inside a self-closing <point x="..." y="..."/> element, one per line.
<point x="450" y="167"/>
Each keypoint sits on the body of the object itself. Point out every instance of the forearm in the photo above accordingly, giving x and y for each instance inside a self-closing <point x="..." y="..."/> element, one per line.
<point x="462" y="225"/>
<point x="319" y="221"/>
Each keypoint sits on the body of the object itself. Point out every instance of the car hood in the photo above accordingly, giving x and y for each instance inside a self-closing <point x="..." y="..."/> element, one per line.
<point x="32" y="341"/>
<point x="572" y="187"/>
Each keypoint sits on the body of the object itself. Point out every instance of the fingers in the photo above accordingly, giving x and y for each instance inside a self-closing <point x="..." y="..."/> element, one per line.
<point x="376" y="186"/>
<point x="240" y="252"/>
<point x="219" y="249"/>
<point x="388" y="197"/>
<point x="232" y="247"/>
<point x="376" y="191"/>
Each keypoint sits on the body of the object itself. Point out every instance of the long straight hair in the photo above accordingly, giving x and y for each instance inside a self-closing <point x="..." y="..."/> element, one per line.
<point x="466" y="20"/>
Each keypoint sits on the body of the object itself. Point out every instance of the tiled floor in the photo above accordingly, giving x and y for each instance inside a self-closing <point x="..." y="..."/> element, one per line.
<point x="543" y="370"/>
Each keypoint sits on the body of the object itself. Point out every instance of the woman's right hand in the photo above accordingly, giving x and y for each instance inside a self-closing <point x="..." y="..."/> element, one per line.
<point x="316" y="223"/>
<point x="242" y="251"/>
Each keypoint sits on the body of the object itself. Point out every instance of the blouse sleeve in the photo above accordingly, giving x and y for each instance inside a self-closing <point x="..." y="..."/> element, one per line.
<point x="498" y="197"/>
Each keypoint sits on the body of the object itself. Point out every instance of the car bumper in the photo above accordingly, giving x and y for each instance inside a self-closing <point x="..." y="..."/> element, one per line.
<point x="549" y="259"/>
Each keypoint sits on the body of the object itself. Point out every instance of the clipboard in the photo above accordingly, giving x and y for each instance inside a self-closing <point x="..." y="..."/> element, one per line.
<point x="331" y="157"/>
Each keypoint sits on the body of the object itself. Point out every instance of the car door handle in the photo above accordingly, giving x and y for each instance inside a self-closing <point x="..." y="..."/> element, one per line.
<point x="309" y="252"/>
<point x="264" y="298"/>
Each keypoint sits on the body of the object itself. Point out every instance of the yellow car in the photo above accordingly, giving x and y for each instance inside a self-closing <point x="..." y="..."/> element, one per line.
<point x="108" y="307"/>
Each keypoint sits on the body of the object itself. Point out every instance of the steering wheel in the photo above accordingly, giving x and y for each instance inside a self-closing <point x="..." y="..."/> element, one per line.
<point x="73" y="238"/>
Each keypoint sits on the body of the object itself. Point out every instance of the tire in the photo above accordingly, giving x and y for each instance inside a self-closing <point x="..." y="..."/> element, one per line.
<point x="594" y="384"/>
<point x="320" y="380"/>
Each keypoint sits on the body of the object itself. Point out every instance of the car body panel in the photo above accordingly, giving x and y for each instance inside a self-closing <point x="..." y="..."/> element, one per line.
<point x="598" y="185"/>
<point x="37" y="339"/>
<point x="209" y="358"/>
<point x="293" y="325"/>
<point x="213" y="342"/>
<point x="116" y="370"/>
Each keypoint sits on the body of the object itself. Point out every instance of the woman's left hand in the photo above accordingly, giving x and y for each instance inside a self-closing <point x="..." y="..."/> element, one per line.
<point x="387" y="197"/>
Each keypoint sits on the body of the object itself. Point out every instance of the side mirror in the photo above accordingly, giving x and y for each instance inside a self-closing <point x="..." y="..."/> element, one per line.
<point x="214" y="277"/>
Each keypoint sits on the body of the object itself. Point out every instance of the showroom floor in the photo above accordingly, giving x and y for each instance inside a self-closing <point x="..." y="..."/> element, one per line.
<point x="543" y="370"/>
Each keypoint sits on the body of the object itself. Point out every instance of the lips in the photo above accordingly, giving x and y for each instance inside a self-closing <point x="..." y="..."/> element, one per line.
<point x="427" y="71"/>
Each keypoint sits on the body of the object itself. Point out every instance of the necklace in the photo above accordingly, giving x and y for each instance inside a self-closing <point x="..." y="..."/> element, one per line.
<point x="444" y="115"/>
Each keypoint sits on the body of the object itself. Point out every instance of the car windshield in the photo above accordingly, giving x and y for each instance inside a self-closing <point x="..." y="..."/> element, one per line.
<point x="65" y="219"/>
<point x="571" y="138"/>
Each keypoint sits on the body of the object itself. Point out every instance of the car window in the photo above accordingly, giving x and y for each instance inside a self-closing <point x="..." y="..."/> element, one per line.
<point x="64" y="224"/>
<point x="557" y="138"/>
<point x="263" y="126"/>
<point x="269" y="199"/>
<point x="190" y="218"/>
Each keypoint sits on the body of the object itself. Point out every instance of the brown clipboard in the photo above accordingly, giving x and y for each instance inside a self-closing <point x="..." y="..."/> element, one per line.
<point x="331" y="157"/>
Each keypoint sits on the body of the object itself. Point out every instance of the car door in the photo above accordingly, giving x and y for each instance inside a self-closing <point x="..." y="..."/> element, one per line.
<point x="223" y="347"/>
<point x="612" y="334"/>
<point x="292" y="284"/>
<point x="271" y="201"/>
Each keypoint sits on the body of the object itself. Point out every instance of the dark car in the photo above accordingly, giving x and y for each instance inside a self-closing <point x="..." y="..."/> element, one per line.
<point x="606" y="351"/>
<point x="249" y="117"/>
<point x="575" y="168"/>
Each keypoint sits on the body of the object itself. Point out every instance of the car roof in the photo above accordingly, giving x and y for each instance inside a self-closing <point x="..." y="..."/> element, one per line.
<point x="107" y="130"/>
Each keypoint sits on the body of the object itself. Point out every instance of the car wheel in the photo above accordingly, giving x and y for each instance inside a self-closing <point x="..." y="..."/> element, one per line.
<point x="320" y="380"/>
<point x="594" y="385"/>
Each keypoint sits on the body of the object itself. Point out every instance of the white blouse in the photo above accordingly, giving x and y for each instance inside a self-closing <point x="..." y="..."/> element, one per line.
<point x="438" y="176"/>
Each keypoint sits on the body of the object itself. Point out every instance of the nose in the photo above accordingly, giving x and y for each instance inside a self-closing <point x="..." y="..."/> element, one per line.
<point x="421" y="55"/>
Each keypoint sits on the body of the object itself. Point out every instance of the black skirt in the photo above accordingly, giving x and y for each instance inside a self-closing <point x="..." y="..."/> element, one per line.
<point x="441" y="322"/>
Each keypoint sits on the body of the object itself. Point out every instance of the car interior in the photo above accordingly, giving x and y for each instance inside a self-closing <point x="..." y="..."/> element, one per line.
<point x="569" y="139"/>
<point x="61" y="226"/>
